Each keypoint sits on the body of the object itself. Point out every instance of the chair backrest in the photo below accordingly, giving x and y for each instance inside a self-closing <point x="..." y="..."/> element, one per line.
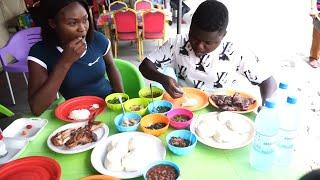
<point x="19" y="44"/>
<point x="142" y="5"/>
<point x="125" y="21"/>
<point x="153" y="22"/>
<point x="117" y="5"/>
<point x="132" y="79"/>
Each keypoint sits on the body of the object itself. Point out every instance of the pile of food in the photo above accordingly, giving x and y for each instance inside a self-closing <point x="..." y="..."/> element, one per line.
<point x="129" y="155"/>
<point x="156" y="126"/>
<point x="165" y="172"/>
<point x="129" y="122"/>
<point x="180" y="118"/>
<point x="153" y="95"/>
<point x="179" y="142"/>
<point x="116" y="100"/>
<point x="236" y="102"/>
<point x="76" y="136"/>
<point x="136" y="107"/>
<point x="79" y="114"/>
<point x="162" y="109"/>
<point x="225" y="128"/>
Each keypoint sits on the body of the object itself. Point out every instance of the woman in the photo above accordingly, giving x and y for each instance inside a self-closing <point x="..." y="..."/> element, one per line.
<point x="72" y="58"/>
<point x="315" y="47"/>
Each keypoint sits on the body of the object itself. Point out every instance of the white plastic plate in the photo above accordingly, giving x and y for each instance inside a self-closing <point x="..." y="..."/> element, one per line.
<point x="99" y="153"/>
<point x="14" y="147"/>
<point x="16" y="128"/>
<point x="101" y="134"/>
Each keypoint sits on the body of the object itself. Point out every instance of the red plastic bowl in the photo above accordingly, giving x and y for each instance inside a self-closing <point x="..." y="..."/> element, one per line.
<point x="180" y="111"/>
<point x="30" y="168"/>
<point x="82" y="102"/>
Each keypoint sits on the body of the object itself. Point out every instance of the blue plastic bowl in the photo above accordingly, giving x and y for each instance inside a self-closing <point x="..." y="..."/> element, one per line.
<point x="128" y="115"/>
<point x="161" y="162"/>
<point x="182" y="134"/>
<point x="152" y="107"/>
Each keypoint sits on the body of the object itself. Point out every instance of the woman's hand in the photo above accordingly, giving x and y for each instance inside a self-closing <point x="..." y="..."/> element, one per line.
<point x="171" y="86"/>
<point x="73" y="50"/>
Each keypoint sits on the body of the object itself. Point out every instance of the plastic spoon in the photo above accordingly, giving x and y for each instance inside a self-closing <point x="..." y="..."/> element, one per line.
<point x="152" y="98"/>
<point x="123" y="111"/>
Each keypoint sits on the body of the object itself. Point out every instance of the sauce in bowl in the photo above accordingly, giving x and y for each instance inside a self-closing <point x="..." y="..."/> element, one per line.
<point x="162" y="172"/>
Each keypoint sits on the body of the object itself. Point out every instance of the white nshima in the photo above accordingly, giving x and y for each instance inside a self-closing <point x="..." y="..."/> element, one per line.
<point x="79" y="114"/>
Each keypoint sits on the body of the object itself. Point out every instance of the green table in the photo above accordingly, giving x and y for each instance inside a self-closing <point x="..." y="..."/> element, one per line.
<point x="203" y="163"/>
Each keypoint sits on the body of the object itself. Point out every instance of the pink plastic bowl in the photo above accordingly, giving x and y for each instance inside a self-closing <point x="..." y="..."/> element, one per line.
<point x="180" y="111"/>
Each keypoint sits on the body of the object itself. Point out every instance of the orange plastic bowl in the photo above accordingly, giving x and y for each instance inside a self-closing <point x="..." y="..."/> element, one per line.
<point x="150" y="119"/>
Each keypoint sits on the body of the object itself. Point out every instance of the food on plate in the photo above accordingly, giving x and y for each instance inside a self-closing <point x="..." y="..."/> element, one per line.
<point x="24" y="133"/>
<point x="236" y="102"/>
<point x="76" y="136"/>
<point x="129" y="154"/>
<point x="238" y="125"/>
<point x="29" y="126"/>
<point x="156" y="126"/>
<point x="136" y="107"/>
<point x="153" y="95"/>
<point x="115" y="100"/>
<point x="188" y="102"/>
<point x="79" y="114"/>
<point x="180" y="118"/>
<point x="179" y="142"/>
<point x="162" y="171"/>
<point x="94" y="106"/>
<point x="206" y="128"/>
<point x="129" y="122"/>
<point x="223" y="135"/>
<point x="162" y="109"/>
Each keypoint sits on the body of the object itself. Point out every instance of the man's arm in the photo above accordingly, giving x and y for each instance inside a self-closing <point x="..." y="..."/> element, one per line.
<point x="149" y="71"/>
<point x="267" y="88"/>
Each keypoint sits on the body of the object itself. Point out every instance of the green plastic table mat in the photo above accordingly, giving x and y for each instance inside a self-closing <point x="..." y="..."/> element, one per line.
<point x="203" y="163"/>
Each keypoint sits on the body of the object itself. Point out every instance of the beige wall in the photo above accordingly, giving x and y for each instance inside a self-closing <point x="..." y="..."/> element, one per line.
<point x="9" y="9"/>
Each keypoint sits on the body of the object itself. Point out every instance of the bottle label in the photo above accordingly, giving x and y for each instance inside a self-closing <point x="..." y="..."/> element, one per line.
<point x="286" y="138"/>
<point x="263" y="143"/>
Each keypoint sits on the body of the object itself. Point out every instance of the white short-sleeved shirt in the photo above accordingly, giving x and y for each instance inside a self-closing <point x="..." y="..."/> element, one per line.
<point x="217" y="69"/>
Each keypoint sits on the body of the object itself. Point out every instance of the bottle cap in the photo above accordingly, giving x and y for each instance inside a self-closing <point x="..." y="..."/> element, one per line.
<point x="283" y="85"/>
<point x="291" y="100"/>
<point x="269" y="103"/>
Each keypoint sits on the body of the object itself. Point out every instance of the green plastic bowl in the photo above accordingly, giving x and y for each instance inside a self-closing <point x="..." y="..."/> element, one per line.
<point x="146" y="93"/>
<point x="135" y="102"/>
<point x="114" y="96"/>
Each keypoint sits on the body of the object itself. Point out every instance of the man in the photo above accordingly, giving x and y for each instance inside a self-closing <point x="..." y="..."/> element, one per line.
<point x="203" y="60"/>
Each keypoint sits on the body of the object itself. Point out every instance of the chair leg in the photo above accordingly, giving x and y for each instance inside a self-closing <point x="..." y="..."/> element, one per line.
<point x="115" y="49"/>
<point x="141" y="49"/>
<point x="25" y="78"/>
<point x="10" y="88"/>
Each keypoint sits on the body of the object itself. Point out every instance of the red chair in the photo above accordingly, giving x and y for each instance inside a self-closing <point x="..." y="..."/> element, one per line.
<point x="126" y="28"/>
<point x="153" y="26"/>
<point x="142" y="5"/>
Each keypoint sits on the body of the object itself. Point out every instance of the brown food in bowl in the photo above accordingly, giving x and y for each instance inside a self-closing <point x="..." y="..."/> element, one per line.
<point x="236" y="102"/>
<point x="162" y="172"/>
<point x="179" y="142"/>
<point x="162" y="109"/>
<point x="180" y="118"/>
<point x="116" y="100"/>
<point x="136" y="107"/>
<point x="154" y="95"/>
<point x="156" y="126"/>
<point x="129" y="122"/>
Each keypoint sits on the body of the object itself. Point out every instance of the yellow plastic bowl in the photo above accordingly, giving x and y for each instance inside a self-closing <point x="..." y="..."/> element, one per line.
<point x="146" y="93"/>
<point x="113" y="97"/>
<point x="150" y="119"/>
<point x="132" y="105"/>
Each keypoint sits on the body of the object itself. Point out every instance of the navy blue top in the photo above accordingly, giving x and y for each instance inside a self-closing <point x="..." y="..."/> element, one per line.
<point x="86" y="76"/>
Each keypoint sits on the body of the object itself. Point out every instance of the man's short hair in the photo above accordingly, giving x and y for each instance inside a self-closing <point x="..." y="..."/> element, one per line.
<point x="211" y="16"/>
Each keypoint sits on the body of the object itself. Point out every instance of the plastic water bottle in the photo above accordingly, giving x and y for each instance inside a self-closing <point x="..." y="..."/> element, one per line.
<point x="263" y="153"/>
<point x="3" y="149"/>
<point x="289" y="121"/>
<point x="280" y="96"/>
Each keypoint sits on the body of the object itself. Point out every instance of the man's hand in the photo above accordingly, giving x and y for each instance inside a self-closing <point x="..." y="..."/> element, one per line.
<point x="171" y="86"/>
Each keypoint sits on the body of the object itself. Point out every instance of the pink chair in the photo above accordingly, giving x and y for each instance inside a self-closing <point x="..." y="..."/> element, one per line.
<point x="153" y="26"/>
<point x="18" y="47"/>
<point x="142" y="5"/>
<point x="126" y="28"/>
